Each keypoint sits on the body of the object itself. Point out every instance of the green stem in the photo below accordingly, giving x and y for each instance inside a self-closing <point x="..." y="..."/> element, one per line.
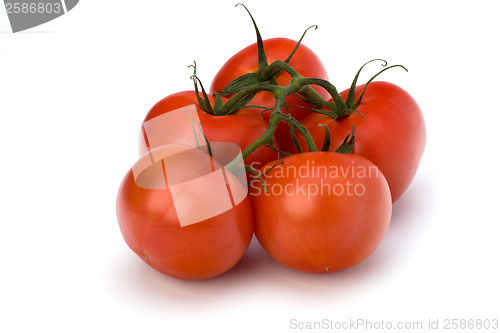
<point x="204" y="102"/>
<point x="369" y="81"/>
<point x="287" y="60"/>
<point x="340" y="105"/>
<point x="230" y="106"/>
<point x="328" y="138"/>
<point x="267" y="137"/>
<point x="276" y="117"/>
<point x="260" y="44"/>
<point x="350" y="97"/>
<point x="278" y="65"/>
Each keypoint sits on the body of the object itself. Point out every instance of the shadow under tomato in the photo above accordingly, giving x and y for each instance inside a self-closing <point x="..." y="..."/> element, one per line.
<point x="420" y="196"/>
<point x="257" y="274"/>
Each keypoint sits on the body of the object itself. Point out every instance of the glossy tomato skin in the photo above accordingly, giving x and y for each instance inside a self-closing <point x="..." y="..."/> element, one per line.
<point x="151" y="227"/>
<point x="242" y="128"/>
<point x="391" y="133"/>
<point x="322" y="212"/>
<point x="304" y="61"/>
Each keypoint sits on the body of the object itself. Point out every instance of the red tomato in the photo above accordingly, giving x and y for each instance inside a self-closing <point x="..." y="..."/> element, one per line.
<point x="322" y="212"/>
<point x="390" y="133"/>
<point x="304" y="61"/>
<point x="154" y="201"/>
<point x="242" y="127"/>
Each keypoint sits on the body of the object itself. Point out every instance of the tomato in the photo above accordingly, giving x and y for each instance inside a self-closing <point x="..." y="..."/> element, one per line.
<point x="322" y="212"/>
<point x="241" y="128"/>
<point x="304" y="61"/>
<point x="183" y="214"/>
<point x="390" y="132"/>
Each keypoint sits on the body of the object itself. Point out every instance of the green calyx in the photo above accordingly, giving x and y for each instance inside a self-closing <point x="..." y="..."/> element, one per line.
<point x="351" y="104"/>
<point x="265" y="74"/>
<point x="339" y="108"/>
<point x="242" y="90"/>
<point x="347" y="145"/>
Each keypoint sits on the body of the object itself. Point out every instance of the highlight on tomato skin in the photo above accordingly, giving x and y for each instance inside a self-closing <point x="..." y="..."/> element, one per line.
<point x="321" y="211"/>
<point x="194" y="225"/>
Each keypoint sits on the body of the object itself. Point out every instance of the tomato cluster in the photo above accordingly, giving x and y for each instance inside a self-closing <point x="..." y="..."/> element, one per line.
<point x="272" y="149"/>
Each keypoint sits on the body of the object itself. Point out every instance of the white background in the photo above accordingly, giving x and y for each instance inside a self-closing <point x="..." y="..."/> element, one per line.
<point x="73" y="93"/>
